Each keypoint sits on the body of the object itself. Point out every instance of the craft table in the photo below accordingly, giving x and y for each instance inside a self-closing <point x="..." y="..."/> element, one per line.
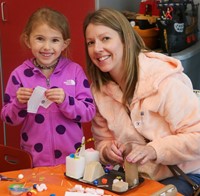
<point x="58" y="184"/>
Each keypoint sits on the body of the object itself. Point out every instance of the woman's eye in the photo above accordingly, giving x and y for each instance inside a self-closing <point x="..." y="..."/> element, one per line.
<point x="90" y="43"/>
<point x="106" y="38"/>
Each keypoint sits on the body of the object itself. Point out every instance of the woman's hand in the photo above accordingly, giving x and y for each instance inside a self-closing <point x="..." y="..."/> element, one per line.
<point x="114" y="152"/>
<point x="24" y="94"/>
<point x="55" y="94"/>
<point x="141" y="154"/>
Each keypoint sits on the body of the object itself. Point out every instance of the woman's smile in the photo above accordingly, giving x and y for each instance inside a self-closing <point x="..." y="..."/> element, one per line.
<point x="103" y="58"/>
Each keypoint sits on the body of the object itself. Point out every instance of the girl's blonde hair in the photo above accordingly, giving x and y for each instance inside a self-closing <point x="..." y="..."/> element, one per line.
<point x="52" y="18"/>
<point x="133" y="44"/>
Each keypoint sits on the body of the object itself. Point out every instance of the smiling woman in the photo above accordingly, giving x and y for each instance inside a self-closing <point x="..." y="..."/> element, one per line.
<point x="143" y="114"/>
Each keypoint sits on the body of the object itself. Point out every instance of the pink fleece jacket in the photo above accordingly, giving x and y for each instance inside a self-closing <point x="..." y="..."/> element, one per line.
<point x="164" y="110"/>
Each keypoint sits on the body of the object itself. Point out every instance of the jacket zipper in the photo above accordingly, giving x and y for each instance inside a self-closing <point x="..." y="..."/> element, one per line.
<point x="54" y="160"/>
<point x="48" y="82"/>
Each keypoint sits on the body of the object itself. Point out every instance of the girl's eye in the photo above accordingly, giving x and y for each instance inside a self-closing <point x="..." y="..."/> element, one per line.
<point x="55" y="40"/>
<point x="39" y="38"/>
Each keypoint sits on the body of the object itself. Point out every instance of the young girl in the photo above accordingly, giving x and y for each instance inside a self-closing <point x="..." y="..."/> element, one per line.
<point x="54" y="131"/>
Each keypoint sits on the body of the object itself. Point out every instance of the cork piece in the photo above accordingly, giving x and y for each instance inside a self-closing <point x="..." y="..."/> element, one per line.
<point x="131" y="173"/>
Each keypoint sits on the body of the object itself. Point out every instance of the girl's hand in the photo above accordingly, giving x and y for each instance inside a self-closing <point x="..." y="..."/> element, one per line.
<point x="56" y="95"/>
<point x="141" y="154"/>
<point x="24" y="94"/>
<point x="114" y="152"/>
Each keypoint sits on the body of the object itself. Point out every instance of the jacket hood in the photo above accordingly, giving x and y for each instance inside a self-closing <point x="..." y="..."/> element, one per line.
<point x="153" y="69"/>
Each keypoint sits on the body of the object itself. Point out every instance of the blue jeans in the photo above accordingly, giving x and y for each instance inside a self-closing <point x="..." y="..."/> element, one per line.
<point x="181" y="184"/>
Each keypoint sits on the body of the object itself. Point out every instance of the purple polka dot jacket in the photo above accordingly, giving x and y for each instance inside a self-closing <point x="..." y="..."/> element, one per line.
<point x="52" y="133"/>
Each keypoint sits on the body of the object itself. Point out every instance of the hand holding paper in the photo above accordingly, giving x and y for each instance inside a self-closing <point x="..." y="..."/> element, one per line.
<point x="38" y="99"/>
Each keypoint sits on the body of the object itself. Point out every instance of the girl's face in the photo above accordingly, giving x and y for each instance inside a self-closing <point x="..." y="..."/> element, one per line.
<point x="105" y="48"/>
<point x="46" y="44"/>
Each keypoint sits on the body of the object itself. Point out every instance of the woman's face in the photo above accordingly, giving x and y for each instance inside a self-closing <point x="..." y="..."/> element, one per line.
<point x="105" y="48"/>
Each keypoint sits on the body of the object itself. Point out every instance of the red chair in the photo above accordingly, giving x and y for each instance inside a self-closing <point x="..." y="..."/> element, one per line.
<point x="12" y="158"/>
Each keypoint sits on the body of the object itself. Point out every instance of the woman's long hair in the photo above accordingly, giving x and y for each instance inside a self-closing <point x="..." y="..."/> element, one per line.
<point x="133" y="44"/>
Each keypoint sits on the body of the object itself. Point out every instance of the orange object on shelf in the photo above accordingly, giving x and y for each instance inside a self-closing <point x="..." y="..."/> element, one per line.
<point x="149" y="36"/>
